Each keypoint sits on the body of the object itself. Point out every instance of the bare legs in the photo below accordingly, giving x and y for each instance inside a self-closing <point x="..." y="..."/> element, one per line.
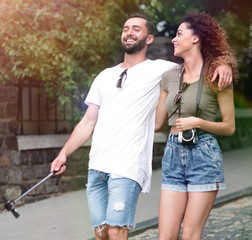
<point x="171" y="211"/>
<point x="193" y="208"/>
<point x="111" y="233"/>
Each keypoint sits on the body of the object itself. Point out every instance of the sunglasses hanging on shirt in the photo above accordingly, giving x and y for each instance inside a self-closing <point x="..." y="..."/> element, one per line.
<point x="182" y="88"/>
<point x="122" y="79"/>
<point x="180" y="92"/>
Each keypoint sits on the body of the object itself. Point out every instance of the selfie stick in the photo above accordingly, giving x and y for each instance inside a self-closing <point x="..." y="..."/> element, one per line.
<point x="10" y="205"/>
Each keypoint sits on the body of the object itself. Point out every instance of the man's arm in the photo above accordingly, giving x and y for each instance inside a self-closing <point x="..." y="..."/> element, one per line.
<point x="225" y="76"/>
<point x="226" y="67"/>
<point x="79" y="136"/>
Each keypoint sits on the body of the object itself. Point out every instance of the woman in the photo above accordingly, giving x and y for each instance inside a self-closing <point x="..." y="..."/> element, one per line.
<point x="192" y="170"/>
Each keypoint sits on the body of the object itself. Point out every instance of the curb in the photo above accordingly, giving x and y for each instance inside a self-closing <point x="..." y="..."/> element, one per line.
<point x="232" y="196"/>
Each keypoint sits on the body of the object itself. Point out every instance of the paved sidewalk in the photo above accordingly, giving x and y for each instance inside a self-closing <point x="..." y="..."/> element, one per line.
<point x="66" y="217"/>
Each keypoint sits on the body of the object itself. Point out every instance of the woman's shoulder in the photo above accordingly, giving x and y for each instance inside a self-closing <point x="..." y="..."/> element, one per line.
<point x="174" y="72"/>
<point x="170" y="77"/>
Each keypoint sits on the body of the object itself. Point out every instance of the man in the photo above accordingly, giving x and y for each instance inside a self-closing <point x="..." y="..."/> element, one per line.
<point x="121" y="115"/>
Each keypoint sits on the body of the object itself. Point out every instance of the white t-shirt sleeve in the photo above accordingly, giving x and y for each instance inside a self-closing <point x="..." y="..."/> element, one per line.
<point x="94" y="95"/>
<point x="166" y="65"/>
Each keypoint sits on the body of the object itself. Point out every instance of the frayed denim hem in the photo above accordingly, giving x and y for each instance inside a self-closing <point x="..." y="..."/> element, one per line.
<point x="104" y="224"/>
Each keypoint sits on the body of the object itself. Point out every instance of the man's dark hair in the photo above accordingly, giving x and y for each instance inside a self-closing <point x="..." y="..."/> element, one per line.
<point x="149" y="24"/>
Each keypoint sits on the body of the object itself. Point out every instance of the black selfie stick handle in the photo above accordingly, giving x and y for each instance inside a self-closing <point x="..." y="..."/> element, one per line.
<point x="10" y="206"/>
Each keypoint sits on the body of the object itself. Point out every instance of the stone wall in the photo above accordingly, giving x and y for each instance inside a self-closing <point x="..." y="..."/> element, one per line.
<point x="28" y="167"/>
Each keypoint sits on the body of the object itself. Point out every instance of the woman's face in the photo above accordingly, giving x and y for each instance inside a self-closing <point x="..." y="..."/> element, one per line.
<point x="184" y="40"/>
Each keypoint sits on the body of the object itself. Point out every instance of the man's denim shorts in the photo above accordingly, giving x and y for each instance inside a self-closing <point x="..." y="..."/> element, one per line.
<point x="193" y="168"/>
<point x="112" y="199"/>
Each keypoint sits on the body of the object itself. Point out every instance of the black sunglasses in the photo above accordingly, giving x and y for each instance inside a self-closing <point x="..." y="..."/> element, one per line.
<point x="122" y="78"/>
<point x="180" y="92"/>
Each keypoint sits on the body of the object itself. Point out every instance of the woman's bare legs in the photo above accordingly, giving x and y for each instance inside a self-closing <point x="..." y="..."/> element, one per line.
<point x="193" y="207"/>
<point x="198" y="208"/>
<point x="171" y="211"/>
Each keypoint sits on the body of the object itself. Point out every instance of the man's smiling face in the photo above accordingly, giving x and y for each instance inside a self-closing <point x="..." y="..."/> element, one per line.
<point x="134" y="35"/>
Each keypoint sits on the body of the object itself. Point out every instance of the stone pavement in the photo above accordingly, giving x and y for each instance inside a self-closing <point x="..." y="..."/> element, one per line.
<point x="232" y="221"/>
<point x="66" y="217"/>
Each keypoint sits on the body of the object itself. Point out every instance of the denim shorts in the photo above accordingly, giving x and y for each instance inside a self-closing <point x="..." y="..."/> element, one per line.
<point x="193" y="168"/>
<point x="112" y="199"/>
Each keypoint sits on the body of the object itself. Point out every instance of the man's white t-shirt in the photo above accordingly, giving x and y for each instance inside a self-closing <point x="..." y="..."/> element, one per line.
<point x="122" y="141"/>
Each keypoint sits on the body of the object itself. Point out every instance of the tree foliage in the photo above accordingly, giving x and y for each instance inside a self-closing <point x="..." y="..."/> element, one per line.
<point x="59" y="44"/>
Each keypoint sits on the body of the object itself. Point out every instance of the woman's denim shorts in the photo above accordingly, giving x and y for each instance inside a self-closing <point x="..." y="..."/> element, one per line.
<point x="112" y="199"/>
<point x="193" y="168"/>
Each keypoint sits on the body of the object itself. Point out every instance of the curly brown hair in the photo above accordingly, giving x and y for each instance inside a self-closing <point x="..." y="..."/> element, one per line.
<point x="214" y="45"/>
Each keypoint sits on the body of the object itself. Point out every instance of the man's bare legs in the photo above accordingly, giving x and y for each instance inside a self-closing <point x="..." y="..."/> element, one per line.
<point x="111" y="233"/>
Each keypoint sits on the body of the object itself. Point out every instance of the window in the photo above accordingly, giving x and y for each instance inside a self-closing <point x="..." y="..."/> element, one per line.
<point x="38" y="114"/>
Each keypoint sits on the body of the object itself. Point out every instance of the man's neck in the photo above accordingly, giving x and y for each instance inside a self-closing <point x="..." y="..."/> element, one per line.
<point x="130" y="60"/>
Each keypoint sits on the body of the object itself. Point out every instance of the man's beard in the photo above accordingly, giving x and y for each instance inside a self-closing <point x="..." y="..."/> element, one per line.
<point x="134" y="48"/>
